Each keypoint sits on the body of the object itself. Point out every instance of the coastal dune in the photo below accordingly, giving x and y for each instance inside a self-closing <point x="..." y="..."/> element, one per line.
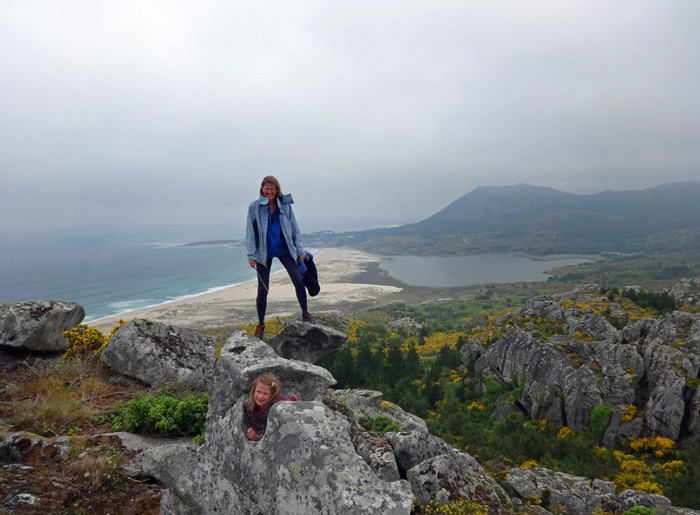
<point x="337" y="267"/>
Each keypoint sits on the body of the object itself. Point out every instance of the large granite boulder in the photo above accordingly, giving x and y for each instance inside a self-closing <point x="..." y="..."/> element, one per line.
<point x="438" y="471"/>
<point x="450" y="477"/>
<point x="305" y="464"/>
<point x="631" y="498"/>
<point x="471" y="351"/>
<point x="312" y="343"/>
<point x="38" y="326"/>
<point x="575" y="495"/>
<point x="693" y="423"/>
<point x="243" y="358"/>
<point x="158" y="354"/>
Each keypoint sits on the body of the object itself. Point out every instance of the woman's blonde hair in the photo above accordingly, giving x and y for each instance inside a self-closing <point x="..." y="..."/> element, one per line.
<point x="267" y="379"/>
<point x="269" y="179"/>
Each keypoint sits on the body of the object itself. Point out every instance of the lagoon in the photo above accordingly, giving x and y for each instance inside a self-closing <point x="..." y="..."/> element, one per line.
<point x="447" y="271"/>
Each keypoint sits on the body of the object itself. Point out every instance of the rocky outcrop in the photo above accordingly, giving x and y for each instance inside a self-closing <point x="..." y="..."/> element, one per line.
<point x="314" y="457"/>
<point x="377" y="453"/>
<point x="38" y="326"/>
<point x="520" y="359"/>
<point x="438" y="471"/>
<point x="579" y="496"/>
<point x="242" y="359"/>
<point x="687" y="291"/>
<point x="575" y="495"/>
<point x="593" y="326"/>
<point x="157" y="354"/>
<point x="306" y="461"/>
<point x="404" y="324"/>
<point x="307" y="342"/>
<point x="652" y="364"/>
<point x="369" y="403"/>
<point x="471" y="351"/>
<point x="668" y="371"/>
<point x="631" y="498"/>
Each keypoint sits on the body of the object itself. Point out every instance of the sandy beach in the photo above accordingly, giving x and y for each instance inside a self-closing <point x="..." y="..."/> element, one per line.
<point x="339" y="270"/>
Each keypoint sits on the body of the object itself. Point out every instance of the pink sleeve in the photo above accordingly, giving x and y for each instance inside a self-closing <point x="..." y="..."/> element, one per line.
<point x="294" y="397"/>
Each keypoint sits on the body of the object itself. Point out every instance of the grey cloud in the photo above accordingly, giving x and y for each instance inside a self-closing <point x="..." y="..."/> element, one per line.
<point x="369" y="112"/>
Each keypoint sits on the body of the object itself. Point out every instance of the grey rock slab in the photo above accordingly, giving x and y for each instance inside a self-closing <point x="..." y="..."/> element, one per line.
<point x="158" y="354"/>
<point x="38" y="326"/>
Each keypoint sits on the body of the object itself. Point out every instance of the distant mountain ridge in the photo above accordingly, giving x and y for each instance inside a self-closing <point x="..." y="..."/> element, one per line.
<point x="543" y="220"/>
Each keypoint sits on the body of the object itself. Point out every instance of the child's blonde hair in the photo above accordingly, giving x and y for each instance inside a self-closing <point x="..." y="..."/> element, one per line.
<point x="267" y="379"/>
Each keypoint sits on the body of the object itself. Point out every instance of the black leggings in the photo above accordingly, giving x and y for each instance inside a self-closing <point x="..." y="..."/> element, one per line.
<point x="264" y="283"/>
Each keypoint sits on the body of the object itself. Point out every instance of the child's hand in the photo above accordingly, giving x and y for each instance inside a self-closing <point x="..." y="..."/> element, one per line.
<point x="251" y="434"/>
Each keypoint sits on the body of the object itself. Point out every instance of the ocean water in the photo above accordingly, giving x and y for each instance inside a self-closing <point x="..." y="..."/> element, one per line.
<point x="112" y="275"/>
<point x="109" y="275"/>
<point x="446" y="271"/>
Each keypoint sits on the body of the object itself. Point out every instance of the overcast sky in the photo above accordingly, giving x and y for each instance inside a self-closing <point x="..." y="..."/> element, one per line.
<point x="154" y="113"/>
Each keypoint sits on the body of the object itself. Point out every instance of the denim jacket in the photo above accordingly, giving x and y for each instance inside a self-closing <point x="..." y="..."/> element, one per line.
<point x="256" y="228"/>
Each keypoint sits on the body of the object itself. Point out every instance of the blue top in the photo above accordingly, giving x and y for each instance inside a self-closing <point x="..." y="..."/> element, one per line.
<point x="257" y="225"/>
<point x="276" y="246"/>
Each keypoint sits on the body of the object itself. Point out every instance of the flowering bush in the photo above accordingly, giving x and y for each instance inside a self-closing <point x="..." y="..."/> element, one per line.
<point x="564" y="432"/>
<point x="634" y="475"/>
<point x="659" y="446"/>
<point x="84" y="339"/>
<point x="630" y="413"/>
<point x="458" y="507"/>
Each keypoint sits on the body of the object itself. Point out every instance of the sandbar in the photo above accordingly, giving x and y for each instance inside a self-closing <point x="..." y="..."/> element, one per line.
<point x="338" y="270"/>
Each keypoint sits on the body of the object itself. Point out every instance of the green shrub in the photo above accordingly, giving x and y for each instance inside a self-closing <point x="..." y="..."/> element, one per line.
<point x="600" y="415"/>
<point x="640" y="510"/>
<point x="547" y="498"/>
<point x="381" y="424"/>
<point x="493" y="387"/>
<point x="163" y="414"/>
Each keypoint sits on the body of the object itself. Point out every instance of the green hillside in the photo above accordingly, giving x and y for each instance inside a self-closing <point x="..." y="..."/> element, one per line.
<point x="541" y="221"/>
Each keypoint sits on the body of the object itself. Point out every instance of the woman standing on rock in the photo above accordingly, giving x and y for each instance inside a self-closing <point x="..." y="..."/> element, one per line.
<point x="272" y="232"/>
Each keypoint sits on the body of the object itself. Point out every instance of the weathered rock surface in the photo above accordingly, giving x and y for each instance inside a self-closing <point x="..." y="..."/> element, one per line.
<point x="668" y="370"/>
<point x="314" y="458"/>
<point x="404" y="324"/>
<point x="307" y="342"/>
<point x="631" y="498"/>
<point x="306" y="460"/>
<point x="38" y="326"/>
<point x="377" y="453"/>
<point x="574" y="494"/>
<point x="157" y="354"/>
<point x="520" y="359"/>
<point x="471" y="351"/>
<point x="687" y="290"/>
<point x="438" y="471"/>
<point x="369" y="403"/>
<point x="593" y="326"/>
<point x="242" y="359"/>
<point x="652" y="364"/>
